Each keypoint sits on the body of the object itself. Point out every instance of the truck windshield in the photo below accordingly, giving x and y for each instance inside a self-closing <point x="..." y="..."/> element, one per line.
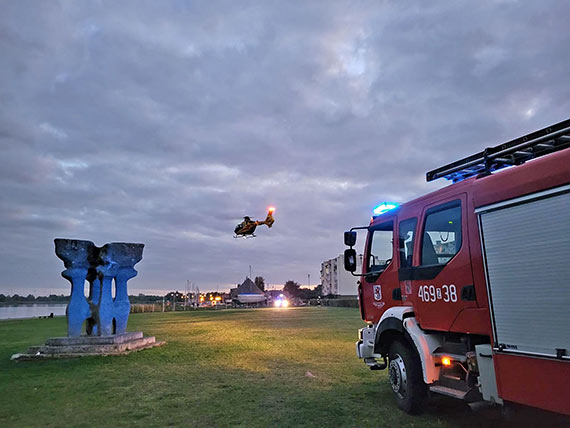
<point x="381" y="247"/>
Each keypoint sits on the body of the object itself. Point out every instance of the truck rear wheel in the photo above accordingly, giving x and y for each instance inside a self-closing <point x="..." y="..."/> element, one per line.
<point x="406" y="379"/>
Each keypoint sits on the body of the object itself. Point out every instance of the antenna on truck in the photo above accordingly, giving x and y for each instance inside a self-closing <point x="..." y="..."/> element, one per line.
<point x="515" y="152"/>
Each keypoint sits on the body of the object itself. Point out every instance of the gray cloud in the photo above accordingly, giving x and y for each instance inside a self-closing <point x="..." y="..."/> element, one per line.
<point x="165" y="123"/>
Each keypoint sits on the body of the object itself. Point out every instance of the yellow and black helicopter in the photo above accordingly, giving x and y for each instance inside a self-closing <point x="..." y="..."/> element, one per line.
<point x="247" y="227"/>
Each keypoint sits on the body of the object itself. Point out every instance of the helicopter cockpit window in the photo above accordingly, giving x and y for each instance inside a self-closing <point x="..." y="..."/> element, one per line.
<point x="381" y="247"/>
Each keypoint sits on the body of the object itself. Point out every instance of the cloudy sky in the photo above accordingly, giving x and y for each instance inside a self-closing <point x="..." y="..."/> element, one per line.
<point x="166" y="122"/>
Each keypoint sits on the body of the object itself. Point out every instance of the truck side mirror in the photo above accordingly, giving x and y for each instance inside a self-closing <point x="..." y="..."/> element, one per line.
<point x="350" y="259"/>
<point x="350" y="238"/>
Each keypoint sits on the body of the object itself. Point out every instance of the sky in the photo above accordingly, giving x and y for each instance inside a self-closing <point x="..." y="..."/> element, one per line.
<point x="165" y="123"/>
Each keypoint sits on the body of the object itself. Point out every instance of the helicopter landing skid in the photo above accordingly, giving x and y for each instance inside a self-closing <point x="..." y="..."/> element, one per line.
<point x="245" y="236"/>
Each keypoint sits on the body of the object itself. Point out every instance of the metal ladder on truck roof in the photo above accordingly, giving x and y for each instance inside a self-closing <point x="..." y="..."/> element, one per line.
<point x="514" y="152"/>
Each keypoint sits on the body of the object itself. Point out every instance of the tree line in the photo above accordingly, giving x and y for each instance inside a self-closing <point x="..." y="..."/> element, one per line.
<point x="30" y="298"/>
<point x="60" y="298"/>
<point x="293" y="289"/>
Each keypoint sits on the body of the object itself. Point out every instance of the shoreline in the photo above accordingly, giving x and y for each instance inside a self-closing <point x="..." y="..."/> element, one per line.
<point x="4" y="304"/>
<point x="31" y="318"/>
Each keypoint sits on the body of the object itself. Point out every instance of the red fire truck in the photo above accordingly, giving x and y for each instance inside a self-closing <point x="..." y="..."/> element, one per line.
<point x="466" y="290"/>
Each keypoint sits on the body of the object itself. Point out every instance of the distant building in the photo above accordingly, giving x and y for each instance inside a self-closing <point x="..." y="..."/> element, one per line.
<point x="336" y="280"/>
<point x="248" y="292"/>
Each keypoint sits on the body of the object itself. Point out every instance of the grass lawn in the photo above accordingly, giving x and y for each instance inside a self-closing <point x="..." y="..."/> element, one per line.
<point x="220" y="368"/>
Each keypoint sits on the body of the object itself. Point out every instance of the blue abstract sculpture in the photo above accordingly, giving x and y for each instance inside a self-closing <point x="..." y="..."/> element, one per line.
<point x="100" y="266"/>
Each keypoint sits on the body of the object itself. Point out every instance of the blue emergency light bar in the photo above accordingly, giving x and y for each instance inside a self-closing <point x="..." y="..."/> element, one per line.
<point x="384" y="207"/>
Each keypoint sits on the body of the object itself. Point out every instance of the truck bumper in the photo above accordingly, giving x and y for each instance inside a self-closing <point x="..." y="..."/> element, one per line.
<point x="358" y="351"/>
<point x="365" y="344"/>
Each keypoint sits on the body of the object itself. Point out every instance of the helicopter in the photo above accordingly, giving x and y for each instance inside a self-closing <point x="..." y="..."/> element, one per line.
<point x="247" y="227"/>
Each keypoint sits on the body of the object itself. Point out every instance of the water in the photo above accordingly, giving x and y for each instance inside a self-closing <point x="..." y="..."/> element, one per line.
<point x="32" y="310"/>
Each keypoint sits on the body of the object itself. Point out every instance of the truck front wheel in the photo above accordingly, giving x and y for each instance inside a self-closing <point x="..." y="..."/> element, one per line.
<point x="406" y="379"/>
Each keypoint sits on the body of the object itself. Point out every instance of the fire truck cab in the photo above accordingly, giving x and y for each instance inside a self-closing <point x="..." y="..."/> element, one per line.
<point x="466" y="290"/>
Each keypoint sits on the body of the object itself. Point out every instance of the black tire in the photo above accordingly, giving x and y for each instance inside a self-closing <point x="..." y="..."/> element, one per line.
<point x="406" y="377"/>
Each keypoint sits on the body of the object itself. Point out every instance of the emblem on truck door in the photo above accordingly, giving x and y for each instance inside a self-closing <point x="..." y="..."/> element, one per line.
<point x="377" y="292"/>
<point x="408" y="287"/>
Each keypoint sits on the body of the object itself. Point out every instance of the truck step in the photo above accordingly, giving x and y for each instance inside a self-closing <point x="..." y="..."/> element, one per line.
<point x="450" y="392"/>
<point x="374" y="364"/>
<point x="470" y="395"/>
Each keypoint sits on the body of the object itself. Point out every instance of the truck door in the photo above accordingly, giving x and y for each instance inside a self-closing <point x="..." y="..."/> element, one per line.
<point x="406" y="240"/>
<point x="376" y="287"/>
<point x="442" y="278"/>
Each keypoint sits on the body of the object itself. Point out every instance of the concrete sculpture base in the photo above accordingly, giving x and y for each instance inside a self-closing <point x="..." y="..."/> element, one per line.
<point x="72" y="347"/>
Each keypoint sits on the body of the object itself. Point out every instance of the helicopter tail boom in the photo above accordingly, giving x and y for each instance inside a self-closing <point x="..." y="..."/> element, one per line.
<point x="269" y="220"/>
